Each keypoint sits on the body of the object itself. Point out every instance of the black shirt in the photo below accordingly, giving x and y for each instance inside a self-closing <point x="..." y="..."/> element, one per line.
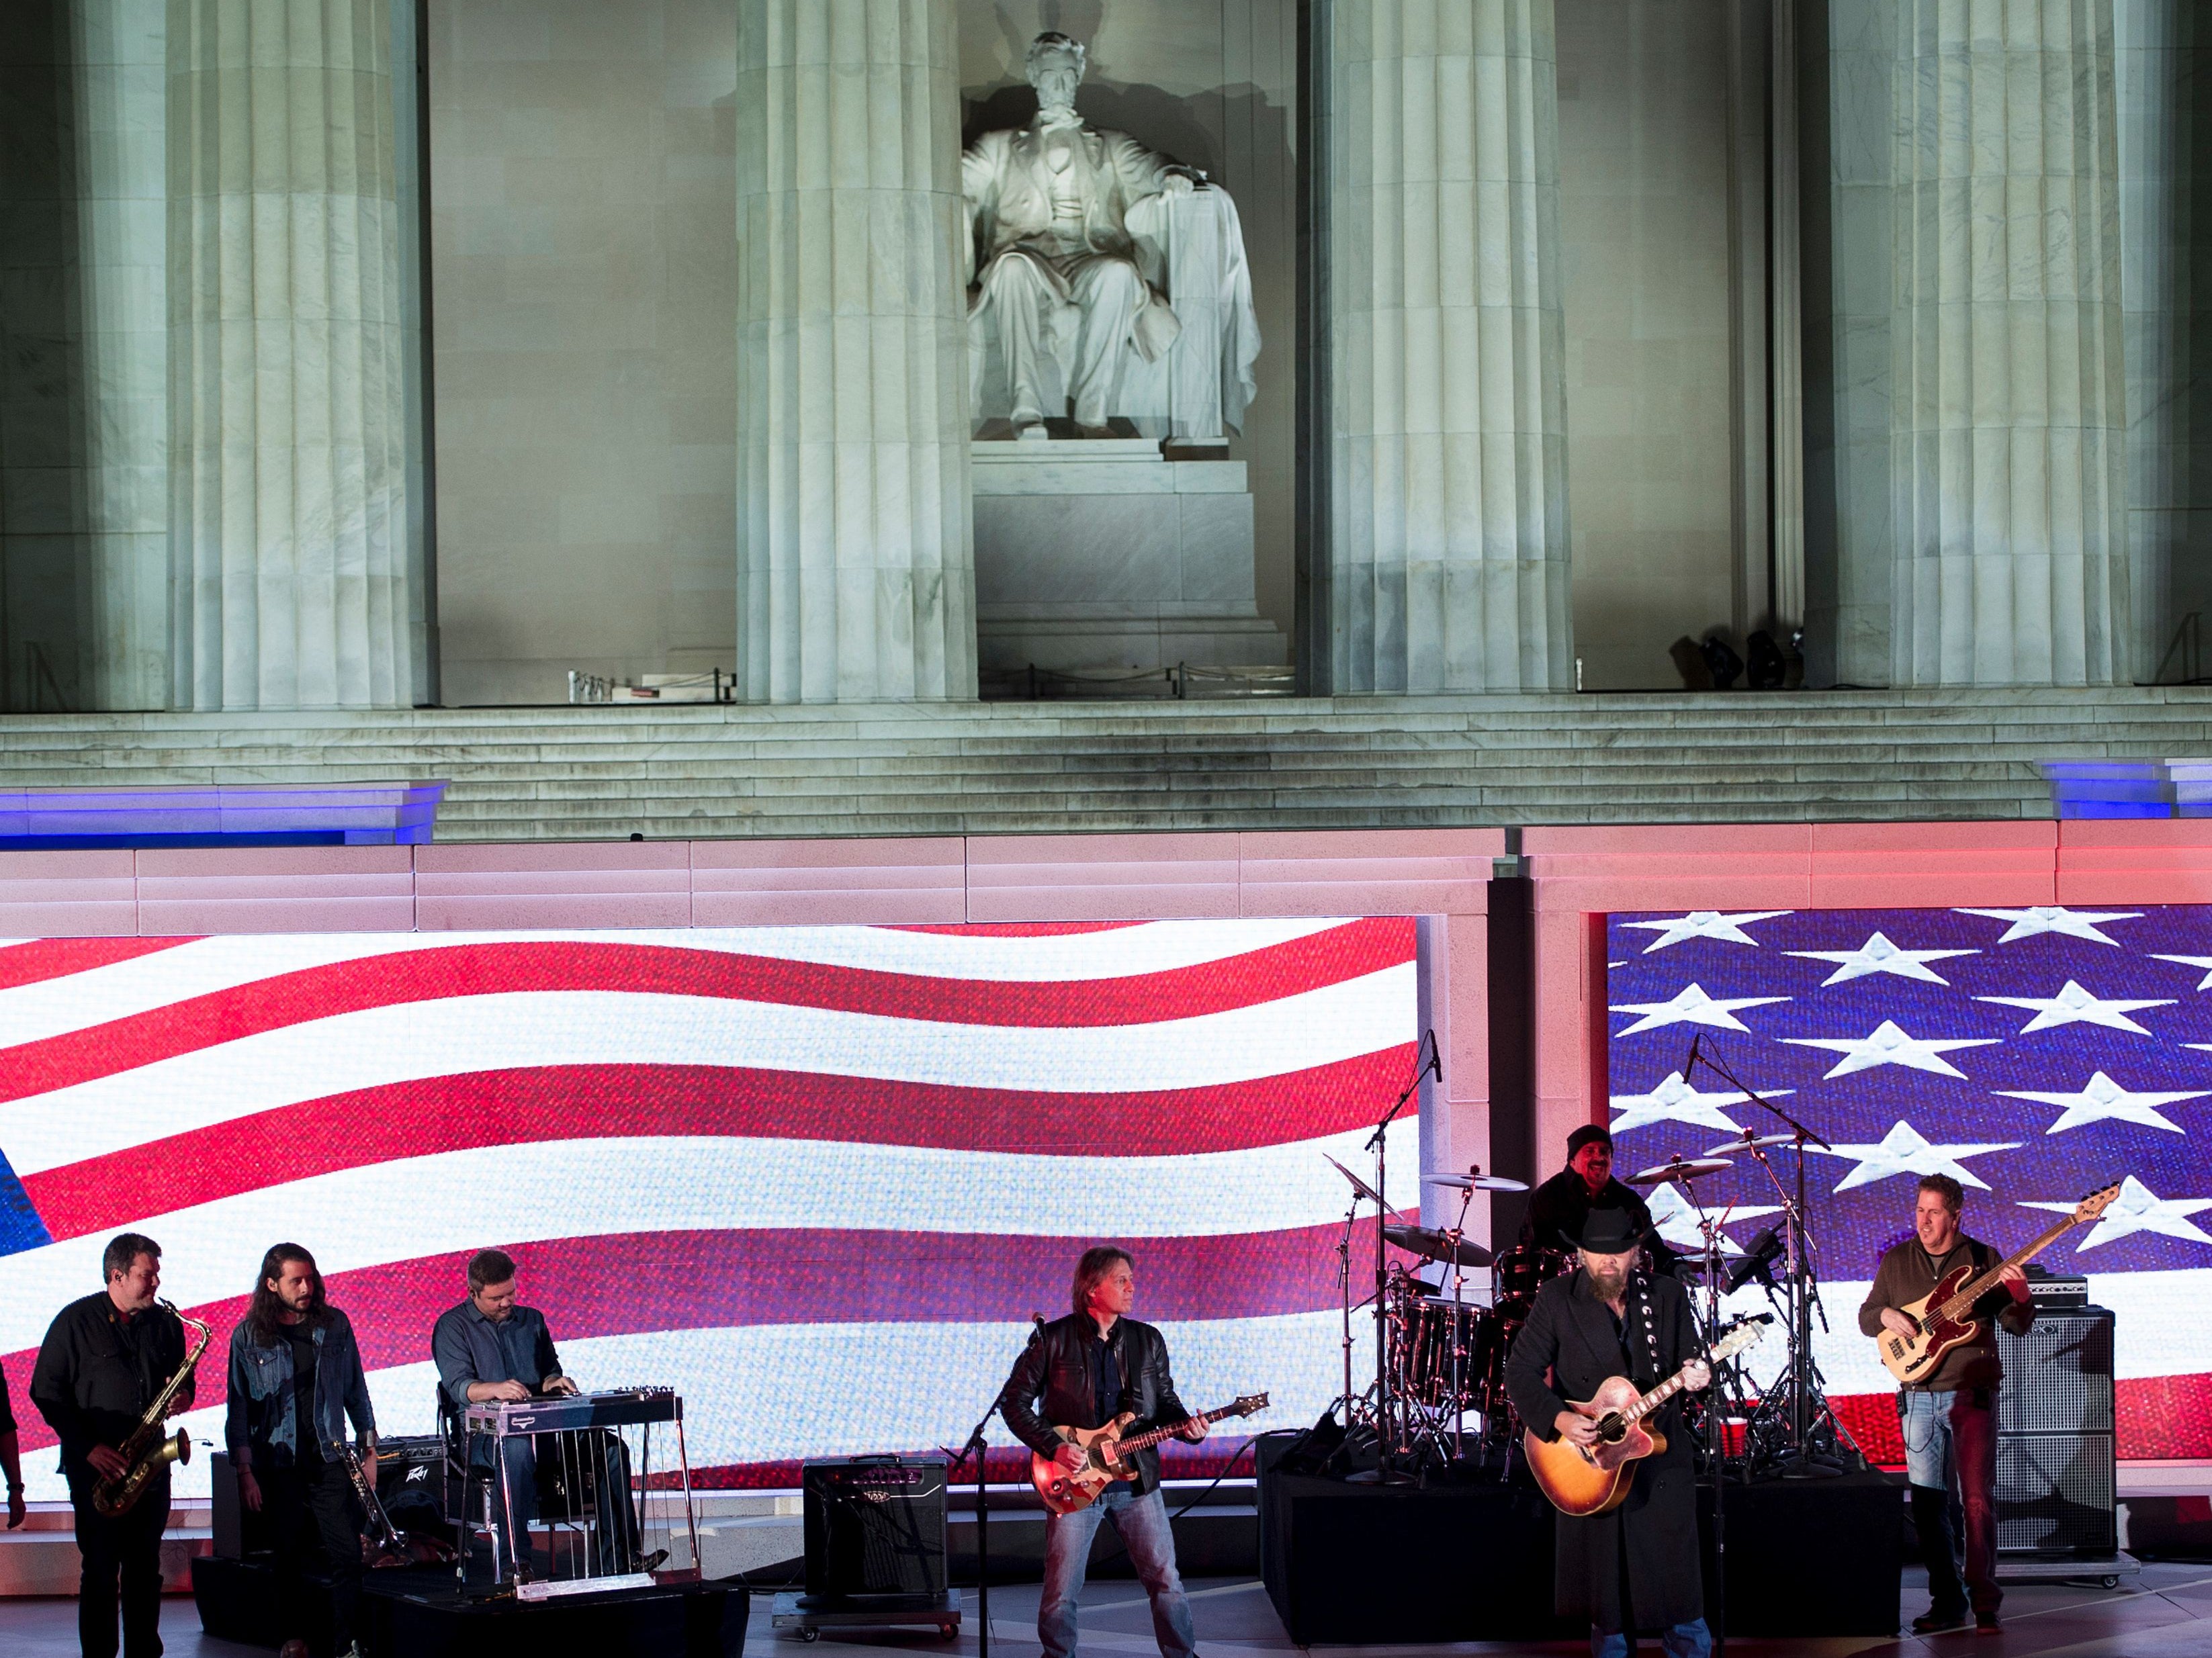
<point x="98" y="1371"/>
<point x="1558" y="1207"/>
<point x="1105" y="1375"/>
<point x="305" y="1438"/>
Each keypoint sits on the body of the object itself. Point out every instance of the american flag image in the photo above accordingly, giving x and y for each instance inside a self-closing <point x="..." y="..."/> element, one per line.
<point x="2033" y="1054"/>
<point x="816" y="1179"/>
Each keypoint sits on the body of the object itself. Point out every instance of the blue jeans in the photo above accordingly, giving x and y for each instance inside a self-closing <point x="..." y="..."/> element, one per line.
<point x="1142" y="1525"/>
<point x="1690" y="1640"/>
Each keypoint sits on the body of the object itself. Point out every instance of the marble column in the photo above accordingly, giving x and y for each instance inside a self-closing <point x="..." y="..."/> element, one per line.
<point x="2009" y="413"/>
<point x="855" y="545"/>
<point x="1447" y="558"/>
<point x="288" y="542"/>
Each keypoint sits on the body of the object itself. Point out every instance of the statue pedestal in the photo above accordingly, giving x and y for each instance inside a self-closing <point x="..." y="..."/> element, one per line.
<point x="1100" y="553"/>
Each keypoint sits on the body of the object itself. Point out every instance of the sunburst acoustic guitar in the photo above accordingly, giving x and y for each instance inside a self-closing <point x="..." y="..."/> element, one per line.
<point x="1942" y="1318"/>
<point x="1586" y="1479"/>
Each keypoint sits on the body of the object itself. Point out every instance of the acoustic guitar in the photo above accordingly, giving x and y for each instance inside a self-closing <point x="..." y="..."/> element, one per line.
<point x="1066" y="1490"/>
<point x="1582" y="1480"/>
<point x="1942" y="1318"/>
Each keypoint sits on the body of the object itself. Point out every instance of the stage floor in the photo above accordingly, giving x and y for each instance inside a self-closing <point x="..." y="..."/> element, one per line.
<point x="2166" y="1613"/>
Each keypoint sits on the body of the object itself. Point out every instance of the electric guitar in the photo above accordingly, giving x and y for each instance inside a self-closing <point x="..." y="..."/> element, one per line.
<point x="1942" y="1318"/>
<point x="1586" y="1479"/>
<point x="1066" y="1490"/>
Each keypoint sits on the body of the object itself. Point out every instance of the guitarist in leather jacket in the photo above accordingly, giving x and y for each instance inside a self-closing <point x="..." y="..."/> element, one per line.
<point x="1948" y="1418"/>
<point x="1088" y="1368"/>
<point x="1637" y="1566"/>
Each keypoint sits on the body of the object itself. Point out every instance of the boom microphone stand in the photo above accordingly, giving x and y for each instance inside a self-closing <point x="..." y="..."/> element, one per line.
<point x="1385" y="1471"/>
<point x="978" y="1447"/>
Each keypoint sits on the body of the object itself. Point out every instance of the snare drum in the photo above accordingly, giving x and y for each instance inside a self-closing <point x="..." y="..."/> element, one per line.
<point x="1522" y="1271"/>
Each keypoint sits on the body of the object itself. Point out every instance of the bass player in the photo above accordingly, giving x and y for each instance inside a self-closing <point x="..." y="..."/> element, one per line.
<point x="1090" y="1368"/>
<point x="1948" y="1418"/>
<point x="103" y="1365"/>
<point x="1636" y="1566"/>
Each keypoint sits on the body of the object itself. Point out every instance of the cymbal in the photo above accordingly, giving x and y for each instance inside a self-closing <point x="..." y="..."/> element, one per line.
<point x="1472" y="1182"/>
<point x="1746" y="1142"/>
<point x="1358" y="1184"/>
<point x="1679" y="1168"/>
<point x="1436" y="1246"/>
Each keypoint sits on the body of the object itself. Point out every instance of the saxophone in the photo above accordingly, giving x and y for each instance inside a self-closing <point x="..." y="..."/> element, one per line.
<point x="149" y="1449"/>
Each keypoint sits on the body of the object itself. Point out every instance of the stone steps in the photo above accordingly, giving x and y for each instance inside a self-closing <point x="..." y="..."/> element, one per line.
<point x="533" y="773"/>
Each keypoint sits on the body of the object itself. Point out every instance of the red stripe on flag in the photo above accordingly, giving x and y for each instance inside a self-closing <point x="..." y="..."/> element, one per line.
<point x="1012" y="929"/>
<point x="507" y="1108"/>
<point x="2159" y="1418"/>
<point x="1340" y="954"/>
<point x="41" y="959"/>
<point x="674" y="1283"/>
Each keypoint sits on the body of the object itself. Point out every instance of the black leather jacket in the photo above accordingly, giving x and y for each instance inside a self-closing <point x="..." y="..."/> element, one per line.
<point x="1056" y="1368"/>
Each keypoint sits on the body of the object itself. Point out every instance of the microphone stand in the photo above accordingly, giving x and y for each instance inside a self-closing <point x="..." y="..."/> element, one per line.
<point x="1385" y="1472"/>
<point x="979" y="1449"/>
<point x="1804" y="1462"/>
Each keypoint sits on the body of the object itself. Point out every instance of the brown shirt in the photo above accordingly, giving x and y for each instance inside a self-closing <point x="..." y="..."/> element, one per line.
<point x="1909" y="1271"/>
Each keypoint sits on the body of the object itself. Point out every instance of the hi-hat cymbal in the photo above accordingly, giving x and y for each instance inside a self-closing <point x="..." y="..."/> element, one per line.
<point x="1679" y="1168"/>
<point x="1472" y="1182"/>
<point x="1437" y="1245"/>
<point x="1748" y="1141"/>
<point x="1358" y="1184"/>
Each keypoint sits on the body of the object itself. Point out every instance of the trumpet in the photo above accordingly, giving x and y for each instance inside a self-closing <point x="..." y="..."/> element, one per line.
<point x="149" y="1449"/>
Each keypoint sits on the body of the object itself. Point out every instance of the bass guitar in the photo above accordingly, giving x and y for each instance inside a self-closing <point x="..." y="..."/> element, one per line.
<point x="1586" y="1479"/>
<point x="1943" y="1318"/>
<point x="1066" y="1490"/>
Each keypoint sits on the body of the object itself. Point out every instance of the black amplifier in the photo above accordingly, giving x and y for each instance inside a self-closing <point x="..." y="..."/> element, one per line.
<point x="2053" y="1290"/>
<point x="875" y="1527"/>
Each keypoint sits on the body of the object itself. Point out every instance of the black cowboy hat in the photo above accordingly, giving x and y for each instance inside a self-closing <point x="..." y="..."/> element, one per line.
<point x="1610" y="1231"/>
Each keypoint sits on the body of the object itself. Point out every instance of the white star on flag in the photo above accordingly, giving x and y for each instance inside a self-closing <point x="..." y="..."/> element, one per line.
<point x="1675" y="1220"/>
<point x="2041" y="919"/>
<point x="1903" y="1151"/>
<point x="2204" y="961"/>
<point x="2074" y="1005"/>
<point x="1890" y="1045"/>
<point x="2100" y="1099"/>
<point x="2138" y="1208"/>
<point x="1675" y="1101"/>
<point x="1691" y="1005"/>
<point x="1878" y="954"/>
<point x="1705" y="923"/>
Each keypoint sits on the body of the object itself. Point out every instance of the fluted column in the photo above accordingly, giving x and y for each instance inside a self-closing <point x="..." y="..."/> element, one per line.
<point x="855" y="543"/>
<point x="289" y="556"/>
<point x="2008" y="418"/>
<point x="1447" y="562"/>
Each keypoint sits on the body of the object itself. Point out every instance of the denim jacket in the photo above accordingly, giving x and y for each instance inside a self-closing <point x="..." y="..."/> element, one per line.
<point x="261" y="1420"/>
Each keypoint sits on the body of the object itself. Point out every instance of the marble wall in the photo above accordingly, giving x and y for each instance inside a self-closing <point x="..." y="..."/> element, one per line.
<point x="583" y="305"/>
<point x="1643" y="214"/>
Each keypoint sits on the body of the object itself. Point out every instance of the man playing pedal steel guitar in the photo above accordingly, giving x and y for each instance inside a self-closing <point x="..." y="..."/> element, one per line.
<point x="1949" y="1419"/>
<point x="1090" y="1367"/>
<point x="492" y="1348"/>
<point x="295" y="1380"/>
<point x="1638" y="1565"/>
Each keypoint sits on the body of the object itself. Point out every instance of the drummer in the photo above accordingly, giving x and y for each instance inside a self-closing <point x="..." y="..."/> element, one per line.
<point x="1558" y="1206"/>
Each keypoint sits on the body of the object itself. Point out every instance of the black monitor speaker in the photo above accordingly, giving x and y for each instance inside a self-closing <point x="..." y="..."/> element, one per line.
<point x="2057" y="1472"/>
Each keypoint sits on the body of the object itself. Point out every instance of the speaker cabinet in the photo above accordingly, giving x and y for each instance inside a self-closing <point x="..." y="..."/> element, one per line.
<point x="2057" y="1472"/>
<point x="875" y="1527"/>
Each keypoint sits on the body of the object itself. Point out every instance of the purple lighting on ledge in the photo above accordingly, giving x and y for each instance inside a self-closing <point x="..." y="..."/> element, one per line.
<point x="377" y="814"/>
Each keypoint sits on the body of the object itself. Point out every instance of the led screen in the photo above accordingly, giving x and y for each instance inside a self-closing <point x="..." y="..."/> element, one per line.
<point x="2034" y="1054"/>
<point x="816" y="1179"/>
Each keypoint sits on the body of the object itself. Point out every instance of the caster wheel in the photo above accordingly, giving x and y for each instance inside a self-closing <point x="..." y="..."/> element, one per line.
<point x="2109" y="1582"/>
<point x="810" y="1635"/>
<point x="948" y="1631"/>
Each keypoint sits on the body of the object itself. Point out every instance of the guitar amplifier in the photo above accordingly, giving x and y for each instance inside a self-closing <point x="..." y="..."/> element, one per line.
<point x="2057" y="1472"/>
<point x="875" y="1527"/>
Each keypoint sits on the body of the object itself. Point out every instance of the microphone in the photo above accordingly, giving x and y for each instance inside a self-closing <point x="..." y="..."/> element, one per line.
<point x="1037" y="1318"/>
<point x="1690" y="1065"/>
<point x="1436" y="1058"/>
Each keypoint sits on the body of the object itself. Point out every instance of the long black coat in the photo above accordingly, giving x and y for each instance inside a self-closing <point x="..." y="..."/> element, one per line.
<point x="1568" y="1347"/>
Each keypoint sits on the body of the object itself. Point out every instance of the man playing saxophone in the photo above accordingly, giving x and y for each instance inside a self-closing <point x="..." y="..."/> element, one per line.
<point x="104" y="1363"/>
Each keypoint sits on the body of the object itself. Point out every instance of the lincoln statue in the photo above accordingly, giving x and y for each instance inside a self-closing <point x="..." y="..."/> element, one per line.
<point x="1056" y="269"/>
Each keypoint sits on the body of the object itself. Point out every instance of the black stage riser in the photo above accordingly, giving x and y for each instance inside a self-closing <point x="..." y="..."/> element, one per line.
<point x="424" y="1618"/>
<point x="1214" y="1542"/>
<point x="1362" y="1564"/>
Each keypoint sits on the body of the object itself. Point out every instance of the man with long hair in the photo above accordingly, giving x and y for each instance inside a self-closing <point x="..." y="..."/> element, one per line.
<point x="104" y="1362"/>
<point x="295" y="1380"/>
<point x="1090" y="1368"/>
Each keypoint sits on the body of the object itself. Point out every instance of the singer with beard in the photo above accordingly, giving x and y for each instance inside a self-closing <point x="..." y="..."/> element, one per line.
<point x="1638" y="1567"/>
